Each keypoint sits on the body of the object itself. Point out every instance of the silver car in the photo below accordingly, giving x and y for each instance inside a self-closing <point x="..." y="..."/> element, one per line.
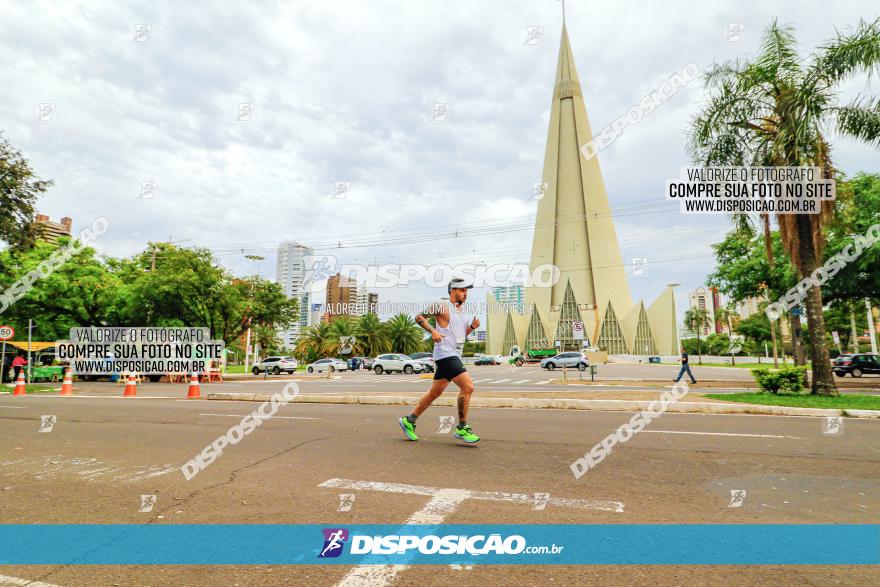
<point x="395" y="362"/>
<point x="570" y="359"/>
<point x="330" y="365"/>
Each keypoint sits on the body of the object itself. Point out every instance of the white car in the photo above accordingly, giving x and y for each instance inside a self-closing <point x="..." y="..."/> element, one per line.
<point x="275" y="365"/>
<point x="330" y="365"/>
<point x="395" y="362"/>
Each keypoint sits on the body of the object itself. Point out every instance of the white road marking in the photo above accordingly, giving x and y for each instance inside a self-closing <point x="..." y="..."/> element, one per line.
<point x="7" y="580"/>
<point x="545" y="382"/>
<point x="444" y="501"/>
<point x="521" y="381"/>
<point x="13" y="407"/>
<point x="719" y="434"/>
<point x="87" y="468"/>
<point x="273" y="417"/>
<point x="501" y="380"/>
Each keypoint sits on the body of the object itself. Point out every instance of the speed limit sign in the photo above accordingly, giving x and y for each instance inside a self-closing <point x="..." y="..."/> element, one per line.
<point x="6" y="332"/>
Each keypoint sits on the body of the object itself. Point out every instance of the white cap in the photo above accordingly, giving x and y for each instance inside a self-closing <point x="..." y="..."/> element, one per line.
<point x="459" y="283"/>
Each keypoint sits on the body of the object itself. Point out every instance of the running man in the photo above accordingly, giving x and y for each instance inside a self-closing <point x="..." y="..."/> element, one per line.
<point x="449" y="337"/>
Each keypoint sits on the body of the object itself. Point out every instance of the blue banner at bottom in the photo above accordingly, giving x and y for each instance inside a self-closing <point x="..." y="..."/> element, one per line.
<point x="599" y="544"/>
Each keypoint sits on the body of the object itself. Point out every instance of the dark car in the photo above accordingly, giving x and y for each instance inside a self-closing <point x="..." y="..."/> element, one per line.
<point x="857" y="365"/>
<point x="355" y="363"/>
<point x="488" y="360"/>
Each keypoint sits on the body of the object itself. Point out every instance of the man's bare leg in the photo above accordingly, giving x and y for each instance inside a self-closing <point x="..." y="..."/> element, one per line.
<point x="465" y="389"/>
<point x="436" y="390"/>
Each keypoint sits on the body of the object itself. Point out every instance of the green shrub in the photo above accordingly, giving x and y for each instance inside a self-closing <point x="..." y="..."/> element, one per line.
<point x="787" y="379"/>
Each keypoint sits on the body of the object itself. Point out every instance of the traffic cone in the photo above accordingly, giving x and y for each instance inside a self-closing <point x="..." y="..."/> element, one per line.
<point x="193" y="392"/>
<point x="19" y="384"/>
<point x="130" y="387"/>
<point x="67" y="385"/>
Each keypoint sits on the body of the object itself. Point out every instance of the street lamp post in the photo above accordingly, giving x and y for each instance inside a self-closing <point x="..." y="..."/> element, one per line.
<point x="247" y="343"/>
<point x="29" y="366"/>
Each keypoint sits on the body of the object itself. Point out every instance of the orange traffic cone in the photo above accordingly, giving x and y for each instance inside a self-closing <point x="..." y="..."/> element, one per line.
<point x="130" y="387"/>
<point x="193" y="392"/>
<point x="19" y="384"/>
<point x="67" y="385"/>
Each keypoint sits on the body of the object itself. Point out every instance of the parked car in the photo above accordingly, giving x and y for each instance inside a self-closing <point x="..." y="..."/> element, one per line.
<point x="857" y="365"/>
<point x="426" y="359"/>
<point x="395" y="362"/>
<point x="489" y="360"/>
<point x="275" y="365"/>
<point x="570" y="359"/>
<point x="367" y="362"/>
<point x="330" y="365"/>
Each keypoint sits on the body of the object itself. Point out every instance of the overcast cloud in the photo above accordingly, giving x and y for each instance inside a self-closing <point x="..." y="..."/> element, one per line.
<point x="343" y="91"/>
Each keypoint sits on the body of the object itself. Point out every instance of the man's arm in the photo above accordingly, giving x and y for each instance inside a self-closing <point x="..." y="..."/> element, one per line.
<point x="422" y="320"/>
<point x="473" y="325"/>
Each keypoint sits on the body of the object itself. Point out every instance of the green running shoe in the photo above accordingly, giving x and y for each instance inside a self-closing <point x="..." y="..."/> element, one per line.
<point x="466" y="434"/>
<point x="408" y="428"/>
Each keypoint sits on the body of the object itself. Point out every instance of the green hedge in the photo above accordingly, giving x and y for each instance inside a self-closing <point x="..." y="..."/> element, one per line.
<point x="787" y="379"/>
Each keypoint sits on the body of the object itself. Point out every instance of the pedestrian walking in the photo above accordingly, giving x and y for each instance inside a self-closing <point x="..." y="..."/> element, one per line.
<point x="685" y="367"/>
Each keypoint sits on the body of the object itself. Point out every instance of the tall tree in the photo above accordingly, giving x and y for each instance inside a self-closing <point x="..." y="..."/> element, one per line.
<point x="80" y="291"/>
<point x="727" y="314"/>
<point x="313" y="342"/>
<point x="774" y="111"/>
<point x="404" y="334"/>
<point x="344" y="328"/>
<point x="19" y="189"/>
<point x="696" y="319"/>
<point x="373" y="334"/>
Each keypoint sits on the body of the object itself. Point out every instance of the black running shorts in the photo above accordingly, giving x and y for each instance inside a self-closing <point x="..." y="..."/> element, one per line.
<point x="448" y="368"/>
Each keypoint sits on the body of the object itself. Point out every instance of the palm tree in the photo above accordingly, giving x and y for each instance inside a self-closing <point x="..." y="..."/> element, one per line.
<point x="340" y="329"/>
<point x="404" y="334"/>
<point x="727" y="314"/>
<point x="775" y="110"/>
<point x="313" y="342"/>
<point x="373" y="335"/>
<point x="696" y="319"/>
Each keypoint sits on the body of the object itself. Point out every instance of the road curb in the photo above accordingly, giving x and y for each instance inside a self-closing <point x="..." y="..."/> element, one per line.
<point x="558" y="404"/>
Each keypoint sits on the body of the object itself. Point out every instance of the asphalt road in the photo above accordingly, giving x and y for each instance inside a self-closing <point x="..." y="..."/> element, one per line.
<point x="529" y="379"/>
<point x="104" y="453"/>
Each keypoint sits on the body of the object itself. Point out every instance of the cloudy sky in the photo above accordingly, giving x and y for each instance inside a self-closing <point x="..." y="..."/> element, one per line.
<point x="344" y="92"/>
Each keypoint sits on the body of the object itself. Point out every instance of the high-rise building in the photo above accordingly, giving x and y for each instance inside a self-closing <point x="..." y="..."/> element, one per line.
<point x="50" y="231"/>
<point x="289" y="273"/>
<point x="345" y="297"/>
<point x="708" y="299"/>
<point x="574" y="232"/>
<point x="748" y="307"/>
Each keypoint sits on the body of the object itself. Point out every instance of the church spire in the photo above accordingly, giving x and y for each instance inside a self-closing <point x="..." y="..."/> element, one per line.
<point x="574" y="229"/>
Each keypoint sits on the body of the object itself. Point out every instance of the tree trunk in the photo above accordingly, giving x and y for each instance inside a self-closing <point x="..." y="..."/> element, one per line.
<point x="730" y="335"/>
<point x="768" y="250"/>
<point x="797" y="345"/>
<point x="823" y="378"/>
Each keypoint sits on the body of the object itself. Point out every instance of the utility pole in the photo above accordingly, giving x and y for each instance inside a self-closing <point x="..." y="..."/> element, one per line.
<point x="247" y="343"/>
<point x="29" y="366"/>
<point x="854" y="334"/>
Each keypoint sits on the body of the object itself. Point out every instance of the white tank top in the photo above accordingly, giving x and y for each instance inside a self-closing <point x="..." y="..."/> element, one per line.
<point x="454" y="334"/>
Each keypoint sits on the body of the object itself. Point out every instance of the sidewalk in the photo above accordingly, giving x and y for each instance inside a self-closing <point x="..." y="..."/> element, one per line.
<point x="631" y="401"/>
